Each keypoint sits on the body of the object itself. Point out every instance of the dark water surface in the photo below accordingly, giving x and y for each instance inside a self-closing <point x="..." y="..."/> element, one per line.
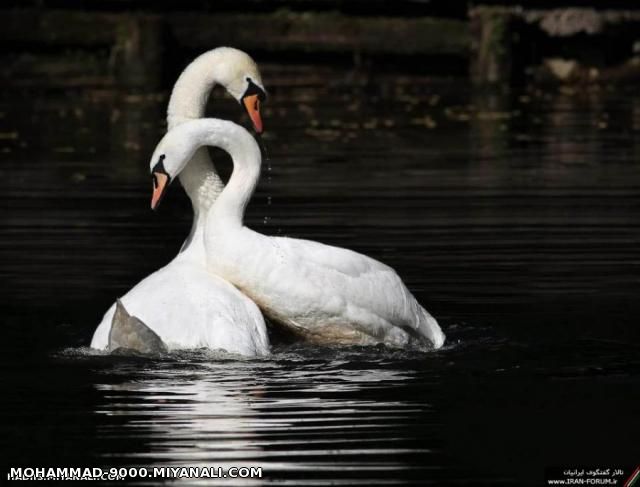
<point x="513" y="217"/>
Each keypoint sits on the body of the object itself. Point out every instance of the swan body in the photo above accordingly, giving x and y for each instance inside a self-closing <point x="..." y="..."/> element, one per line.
<point x="183" y="303"/>
<point x="188" y="307"/>
<point x="326" y="294"/>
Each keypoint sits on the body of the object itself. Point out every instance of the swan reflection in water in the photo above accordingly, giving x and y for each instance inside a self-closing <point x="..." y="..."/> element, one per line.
<point x="285" y="414"/>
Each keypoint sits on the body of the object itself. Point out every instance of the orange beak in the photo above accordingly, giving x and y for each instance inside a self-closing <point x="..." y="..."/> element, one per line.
<point x="252" y="105"/>
<point x="160" y="185"/>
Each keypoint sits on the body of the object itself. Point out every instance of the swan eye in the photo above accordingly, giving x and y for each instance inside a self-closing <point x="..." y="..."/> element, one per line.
<point x="158" y="169"/>
<point x="254" y="89"/>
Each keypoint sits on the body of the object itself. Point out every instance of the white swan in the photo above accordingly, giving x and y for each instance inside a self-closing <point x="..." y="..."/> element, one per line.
<point x="326" y="294"/>
<point x="183" y="303"/>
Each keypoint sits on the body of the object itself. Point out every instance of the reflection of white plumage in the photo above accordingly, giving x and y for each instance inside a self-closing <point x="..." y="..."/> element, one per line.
<point x="184" y="304"/>
<point x="191" y="416"/>
<point x="325" y="293"/>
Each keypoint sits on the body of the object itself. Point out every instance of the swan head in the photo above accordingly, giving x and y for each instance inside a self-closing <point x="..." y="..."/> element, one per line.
<point x="169" y="158"/>
<point x="228" y="67"/>
<point x="239" y="74"/>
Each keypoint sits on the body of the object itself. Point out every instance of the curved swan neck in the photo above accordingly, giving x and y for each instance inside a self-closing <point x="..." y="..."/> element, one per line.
<point x="201" y="182"/>
<point x="191" y="91"/>
<point x="245" y="154"/>
<point x="188" y="101"/>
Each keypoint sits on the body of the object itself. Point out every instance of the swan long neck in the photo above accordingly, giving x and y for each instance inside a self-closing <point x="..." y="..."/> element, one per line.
<point x="230" y="206"/>
<point x="188" y="101"/>
<point x="191" y="91"/>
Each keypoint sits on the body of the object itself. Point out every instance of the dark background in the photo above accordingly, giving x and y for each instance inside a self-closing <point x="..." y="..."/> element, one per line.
<point x="503" y="190"/>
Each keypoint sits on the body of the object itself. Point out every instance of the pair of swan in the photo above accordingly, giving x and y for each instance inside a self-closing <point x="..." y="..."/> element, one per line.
<point x="201" y="299"/>
<point x="183" y="303"/>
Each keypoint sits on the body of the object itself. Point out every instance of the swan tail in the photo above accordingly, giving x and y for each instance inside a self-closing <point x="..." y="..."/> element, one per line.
<point x="429" y="328"/>
<point x="130" y="333"/>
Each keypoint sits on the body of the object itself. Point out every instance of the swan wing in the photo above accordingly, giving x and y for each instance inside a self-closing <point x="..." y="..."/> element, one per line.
<point x="337" y="284"/>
